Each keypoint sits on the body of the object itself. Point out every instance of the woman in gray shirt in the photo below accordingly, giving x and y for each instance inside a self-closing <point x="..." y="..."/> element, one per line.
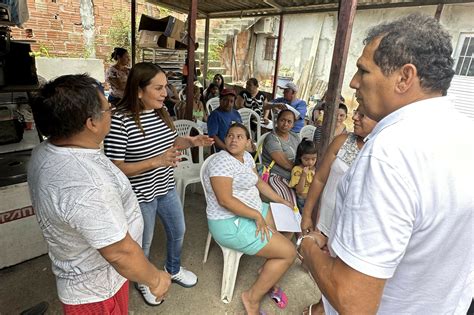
<point x="280" y="146"/>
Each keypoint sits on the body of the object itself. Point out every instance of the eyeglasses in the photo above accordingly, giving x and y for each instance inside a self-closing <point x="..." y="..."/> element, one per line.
<point x="111" y="109"/>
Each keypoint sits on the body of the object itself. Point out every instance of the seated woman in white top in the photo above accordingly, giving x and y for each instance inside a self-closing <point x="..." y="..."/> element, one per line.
<point x="239" y="220"/>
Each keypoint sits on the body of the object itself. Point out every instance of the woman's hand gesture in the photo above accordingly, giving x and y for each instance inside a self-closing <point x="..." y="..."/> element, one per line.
<point x="202" y="141"/>
<point x="171" y="157"/>
<point x="262" y="227"/>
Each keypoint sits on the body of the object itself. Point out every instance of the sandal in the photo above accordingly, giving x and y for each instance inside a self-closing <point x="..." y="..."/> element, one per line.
<point x="279" y="297"/>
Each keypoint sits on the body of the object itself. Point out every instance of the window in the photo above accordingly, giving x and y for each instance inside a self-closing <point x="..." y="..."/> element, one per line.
<point x="464" y="56"/>
<point x="270" y="48"/>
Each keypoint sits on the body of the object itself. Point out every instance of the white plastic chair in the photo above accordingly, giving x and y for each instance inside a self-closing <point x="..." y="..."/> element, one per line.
<point x="187" y="172"/>
<point x="182" y="94"/>
<point x="247" y="114"/>
<point x="307" y="132"/>
<point x="212" y="104"/>
<point x="231" y="257"/>
<point x="260" y="143"/>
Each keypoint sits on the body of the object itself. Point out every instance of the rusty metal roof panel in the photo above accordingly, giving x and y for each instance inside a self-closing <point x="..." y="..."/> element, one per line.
<point x="246" y="8"/>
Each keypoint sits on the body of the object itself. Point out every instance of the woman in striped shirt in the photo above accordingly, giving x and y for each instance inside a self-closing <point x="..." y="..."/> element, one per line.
<point x="143" y="143"/>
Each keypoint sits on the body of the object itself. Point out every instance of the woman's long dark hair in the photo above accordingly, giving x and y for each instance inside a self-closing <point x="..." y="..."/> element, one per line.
<point x="221" y="86"/>
<point x="139" y="78"/>
<point x="118" y="53"/>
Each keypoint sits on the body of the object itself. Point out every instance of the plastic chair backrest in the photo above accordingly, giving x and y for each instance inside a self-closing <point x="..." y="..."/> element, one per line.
<point x="260" y="146"/>
<point x="307" y="132"/>
<point x="212" y="104"/>
<point x="202" y="172"/>
<point x="247" y="114"/>
<point x="183" y="129"/>
<point x="182" y="94"/>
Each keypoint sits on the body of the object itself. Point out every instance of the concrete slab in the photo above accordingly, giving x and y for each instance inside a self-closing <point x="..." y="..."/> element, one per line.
<point x="31" y="282"/>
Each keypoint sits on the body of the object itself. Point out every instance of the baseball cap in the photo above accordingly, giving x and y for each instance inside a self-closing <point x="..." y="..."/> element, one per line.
<point x="289" y="85"/>
<point x="226" y="92"/>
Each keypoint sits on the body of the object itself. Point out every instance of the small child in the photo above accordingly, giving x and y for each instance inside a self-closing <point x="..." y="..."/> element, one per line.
<point x="303" y="172"/>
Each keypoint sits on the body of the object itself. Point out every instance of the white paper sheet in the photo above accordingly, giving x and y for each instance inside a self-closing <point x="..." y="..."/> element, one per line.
<point x="286" y="220"/>
<point x="297" y="113"/>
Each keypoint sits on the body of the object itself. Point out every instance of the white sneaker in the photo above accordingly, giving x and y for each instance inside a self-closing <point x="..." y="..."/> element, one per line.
<point x="148" y="297"/>
<point x="184" y="278"/>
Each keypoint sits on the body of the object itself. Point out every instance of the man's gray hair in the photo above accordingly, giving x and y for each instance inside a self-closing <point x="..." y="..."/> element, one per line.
<point x="419" y="40"/>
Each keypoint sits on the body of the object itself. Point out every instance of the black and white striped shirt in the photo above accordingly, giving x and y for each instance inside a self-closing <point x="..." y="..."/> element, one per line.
<point x="126" y="142"/>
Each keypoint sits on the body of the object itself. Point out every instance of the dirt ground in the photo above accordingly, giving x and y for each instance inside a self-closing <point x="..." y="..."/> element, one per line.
<point x="28" y="283"/>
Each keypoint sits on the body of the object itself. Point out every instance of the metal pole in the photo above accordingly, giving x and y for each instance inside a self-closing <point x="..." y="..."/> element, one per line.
<point x="206" y="52"/>
<point x="133" y="13"/>
<point x="191" y="41"/>
<point x="277" y="61"/>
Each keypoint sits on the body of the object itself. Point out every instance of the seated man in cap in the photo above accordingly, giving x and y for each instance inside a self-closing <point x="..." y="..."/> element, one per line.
<point x="220" y="119"/>
<point x="289" y="98"/>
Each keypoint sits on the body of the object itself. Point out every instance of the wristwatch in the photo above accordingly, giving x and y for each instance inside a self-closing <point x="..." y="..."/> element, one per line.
<point x="299" y="241"/>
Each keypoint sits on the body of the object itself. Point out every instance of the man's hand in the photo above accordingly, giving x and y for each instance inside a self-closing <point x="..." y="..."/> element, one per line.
<point x="164" y="283"/>
<point x="320" y="239"/>
<point x="202" y="141"/>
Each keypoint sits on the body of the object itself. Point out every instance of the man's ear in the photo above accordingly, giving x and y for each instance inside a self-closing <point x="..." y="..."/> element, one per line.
<point x="407" y="76"/>
<point x="91" y="124"/>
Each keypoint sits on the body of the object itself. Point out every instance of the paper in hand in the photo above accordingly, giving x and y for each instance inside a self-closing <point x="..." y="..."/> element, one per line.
<point x="286" y="220"/>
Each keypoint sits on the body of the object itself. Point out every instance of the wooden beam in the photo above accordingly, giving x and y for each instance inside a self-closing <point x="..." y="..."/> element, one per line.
<point x="336" y="76"/>
<point x="278" y="54"/>
<point x="439" y="10"/>
<point x="206" y="52"/>
<point x="191" y="48"/>
<point x="133" y="17"/>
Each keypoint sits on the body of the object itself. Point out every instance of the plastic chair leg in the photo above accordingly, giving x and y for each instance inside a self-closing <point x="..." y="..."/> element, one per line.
<point x="206" y="249"/>
<point x="229" y="274"/>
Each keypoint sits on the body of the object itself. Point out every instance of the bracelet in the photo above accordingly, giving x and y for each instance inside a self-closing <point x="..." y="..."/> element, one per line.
<point x="298" y="244"/>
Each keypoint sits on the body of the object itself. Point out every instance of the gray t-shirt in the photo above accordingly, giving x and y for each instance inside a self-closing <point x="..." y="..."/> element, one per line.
<point x="83" y="202"/>
<point x="273" y="143"/>
<point x="244" y="183"/>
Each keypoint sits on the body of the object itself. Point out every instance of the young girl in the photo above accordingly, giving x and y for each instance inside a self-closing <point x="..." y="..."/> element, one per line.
<point x="303" y="171"/>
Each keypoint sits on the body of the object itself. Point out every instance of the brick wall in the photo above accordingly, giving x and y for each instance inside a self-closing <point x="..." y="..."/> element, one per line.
<point x="56" y="26"/>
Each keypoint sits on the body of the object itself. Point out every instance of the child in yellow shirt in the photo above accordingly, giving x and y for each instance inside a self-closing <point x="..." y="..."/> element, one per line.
<point x="303" y="172"/>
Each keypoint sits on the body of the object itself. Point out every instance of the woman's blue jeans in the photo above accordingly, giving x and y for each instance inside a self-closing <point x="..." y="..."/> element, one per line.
<point x="168" y="208"/>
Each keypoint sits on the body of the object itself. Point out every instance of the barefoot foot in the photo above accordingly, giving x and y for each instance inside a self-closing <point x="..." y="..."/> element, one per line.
<point x="314" y="309"/>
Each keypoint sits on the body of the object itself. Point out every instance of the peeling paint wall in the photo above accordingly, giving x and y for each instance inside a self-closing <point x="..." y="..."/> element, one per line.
<point x="456" y="18"/>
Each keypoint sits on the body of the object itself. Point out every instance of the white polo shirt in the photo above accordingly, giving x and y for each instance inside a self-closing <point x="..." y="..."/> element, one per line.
<point x="404" y="211"/>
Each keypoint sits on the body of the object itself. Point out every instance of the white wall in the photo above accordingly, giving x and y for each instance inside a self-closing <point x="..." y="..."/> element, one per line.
<point x="455" y="18"/>
<point x="50" y="68"/>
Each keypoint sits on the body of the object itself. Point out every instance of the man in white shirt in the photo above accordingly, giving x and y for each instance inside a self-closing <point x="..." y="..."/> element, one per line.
<point x="401" y="241"/>
<point x="85" y="206"/>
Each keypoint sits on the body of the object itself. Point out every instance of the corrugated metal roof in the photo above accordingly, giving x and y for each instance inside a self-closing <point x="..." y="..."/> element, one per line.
<point x="247" y="8"/>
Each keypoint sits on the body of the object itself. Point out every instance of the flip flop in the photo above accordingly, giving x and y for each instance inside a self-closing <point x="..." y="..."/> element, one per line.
<point x="310" y="309"/>
<point x="279" y="297"/>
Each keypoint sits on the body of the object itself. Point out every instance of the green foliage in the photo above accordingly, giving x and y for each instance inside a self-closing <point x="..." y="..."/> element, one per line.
<point x="43" y="51"/>
<point x="119" y="32"/>
<point x="215" y="50"/>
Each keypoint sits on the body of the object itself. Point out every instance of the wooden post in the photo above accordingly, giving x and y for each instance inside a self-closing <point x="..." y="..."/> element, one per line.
<point x="277" y="61"/>
<point x="336" y="76"/>
<point x="191" y="41"/>
<point x="206" y="52"/>
<point x="133" y="18"/>
<point x="439" y="10"/>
